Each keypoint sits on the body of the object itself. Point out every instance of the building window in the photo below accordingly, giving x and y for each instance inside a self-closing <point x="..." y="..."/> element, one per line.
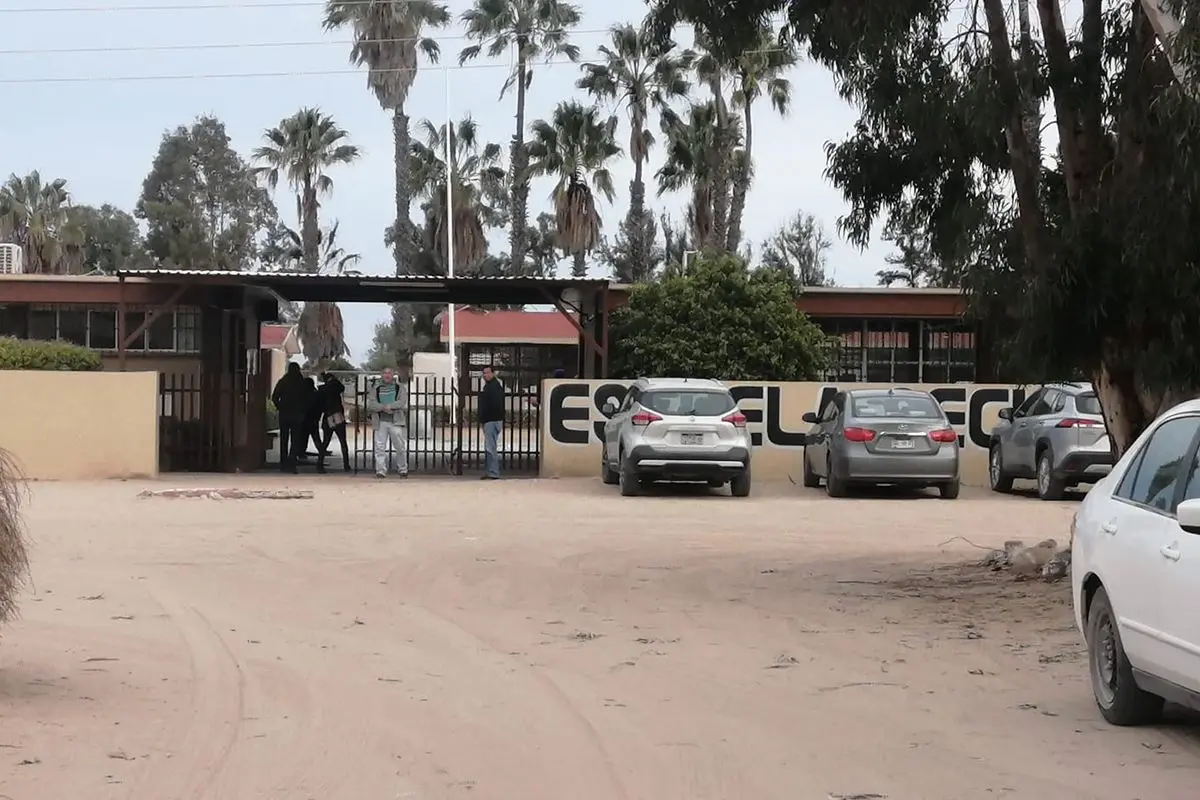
<point x="102" y="330"/>
<point x="160" y="334"/>
<point x="14" y="321"/>
<point x="187" y="330"/>
<point x="43" y="323"/>
<point x="134" y="320"/>
<point x="73" y="325"/>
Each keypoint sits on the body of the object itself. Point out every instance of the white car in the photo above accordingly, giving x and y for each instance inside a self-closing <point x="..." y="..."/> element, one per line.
<point x="1135" y="573"/>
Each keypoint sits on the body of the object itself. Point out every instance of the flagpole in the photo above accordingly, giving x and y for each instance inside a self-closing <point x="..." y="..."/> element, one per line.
<point x="450" y="177"/>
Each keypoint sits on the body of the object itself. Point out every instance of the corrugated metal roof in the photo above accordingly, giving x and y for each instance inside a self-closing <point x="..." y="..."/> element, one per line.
<point x="352" y="279"/>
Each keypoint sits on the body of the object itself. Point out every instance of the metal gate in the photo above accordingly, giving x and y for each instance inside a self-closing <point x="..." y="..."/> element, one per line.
<point x="444" y="434"/>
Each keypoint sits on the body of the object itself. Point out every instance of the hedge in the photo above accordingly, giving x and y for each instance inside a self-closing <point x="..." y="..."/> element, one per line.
<point x="39" y="355"/>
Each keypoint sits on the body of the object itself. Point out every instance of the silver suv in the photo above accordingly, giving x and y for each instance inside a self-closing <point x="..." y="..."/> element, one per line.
<point x="1057" y="437"/>
<point x="675" y="429"/>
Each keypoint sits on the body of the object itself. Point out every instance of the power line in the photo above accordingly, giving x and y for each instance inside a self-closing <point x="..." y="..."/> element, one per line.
<point x="39" y="51"/>
<point x="181" y="7"/>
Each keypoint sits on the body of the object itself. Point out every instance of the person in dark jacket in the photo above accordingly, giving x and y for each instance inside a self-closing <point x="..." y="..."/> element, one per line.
<point x="334" y="419"/>
<point x="291" y="399"/>
<point x="491" y="416"/>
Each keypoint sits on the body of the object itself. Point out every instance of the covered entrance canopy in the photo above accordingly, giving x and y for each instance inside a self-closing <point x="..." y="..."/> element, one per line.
<point x="216" y="419"/>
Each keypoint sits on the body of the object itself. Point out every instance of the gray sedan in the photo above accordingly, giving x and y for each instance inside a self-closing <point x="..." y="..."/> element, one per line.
<point x="881" y="436"/>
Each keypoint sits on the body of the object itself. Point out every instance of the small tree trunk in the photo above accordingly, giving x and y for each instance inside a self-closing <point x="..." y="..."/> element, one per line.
<point x="741" y="188"/>
<point x="520" y="181"/>
<point x="405" y="249"/>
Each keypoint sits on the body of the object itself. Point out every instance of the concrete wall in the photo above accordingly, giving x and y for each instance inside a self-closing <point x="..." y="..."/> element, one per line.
<point x="81" y="425"/>
<point x="572" y="423"/>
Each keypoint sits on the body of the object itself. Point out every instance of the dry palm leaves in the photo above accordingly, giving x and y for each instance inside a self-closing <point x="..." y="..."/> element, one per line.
<point x="576" y="218"/>
<point x="14" y="560"/>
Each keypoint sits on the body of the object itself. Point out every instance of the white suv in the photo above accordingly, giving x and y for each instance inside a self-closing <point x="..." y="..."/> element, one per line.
<point x="675" y="429"/>
<point x="1135" y="573"/>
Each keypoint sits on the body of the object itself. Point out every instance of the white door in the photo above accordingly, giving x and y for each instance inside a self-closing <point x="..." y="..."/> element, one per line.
<point x="1143" y="554"/>
<point x="1179" y="592"/>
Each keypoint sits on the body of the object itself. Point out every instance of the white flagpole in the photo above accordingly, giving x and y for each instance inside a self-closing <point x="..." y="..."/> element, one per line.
<point x="450" y="178"/>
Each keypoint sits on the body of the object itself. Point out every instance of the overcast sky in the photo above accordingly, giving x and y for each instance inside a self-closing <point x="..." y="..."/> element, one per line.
<point x="101" y="134"/>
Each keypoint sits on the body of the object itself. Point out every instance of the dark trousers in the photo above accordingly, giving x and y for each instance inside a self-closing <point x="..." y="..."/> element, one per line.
<point x="340" y="432"/>
<point x="293" y="441"/>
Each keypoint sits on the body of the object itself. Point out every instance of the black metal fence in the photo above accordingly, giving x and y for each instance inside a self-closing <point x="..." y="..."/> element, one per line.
<point x="442" y="429"/>
<point x="204" y="423"/>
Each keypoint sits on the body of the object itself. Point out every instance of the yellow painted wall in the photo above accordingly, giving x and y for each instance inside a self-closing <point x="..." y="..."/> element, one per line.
<point x="80" y="425"/>
<point x="571" y="413"/>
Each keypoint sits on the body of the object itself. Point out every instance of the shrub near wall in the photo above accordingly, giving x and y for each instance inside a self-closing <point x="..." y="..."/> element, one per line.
<point x="20" y="354"/>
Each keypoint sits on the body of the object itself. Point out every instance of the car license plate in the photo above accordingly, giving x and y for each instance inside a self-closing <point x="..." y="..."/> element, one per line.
<point x="903" y="444"/>
<point x="691" y="438"/>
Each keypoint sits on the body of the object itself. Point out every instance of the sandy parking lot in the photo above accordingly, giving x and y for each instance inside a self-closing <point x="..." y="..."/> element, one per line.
<point x="525" y="640"/>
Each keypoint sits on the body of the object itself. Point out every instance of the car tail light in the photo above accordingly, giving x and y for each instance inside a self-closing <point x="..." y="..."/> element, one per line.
<point x="644" y="418"/>
<point x="859" y="434"/>
<point x="736" y="418"/>
<point x="1078" y="423"/>
<point x="945" y="435"/>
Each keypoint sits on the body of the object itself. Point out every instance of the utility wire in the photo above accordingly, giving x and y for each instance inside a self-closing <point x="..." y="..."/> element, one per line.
<point x="160" y="48"/>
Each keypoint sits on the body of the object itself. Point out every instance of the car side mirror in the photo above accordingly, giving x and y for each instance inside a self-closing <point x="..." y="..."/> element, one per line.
<point x="810" y="417"/>
<point x="610" y="406"/>
<point x="1188" y="515"/>
<point x="1006" y="413"/>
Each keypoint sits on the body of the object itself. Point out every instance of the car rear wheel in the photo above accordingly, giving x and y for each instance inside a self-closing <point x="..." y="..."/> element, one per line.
<point x="607" y="474"/>
<point x="835" y="486"/>
<point x="740" y="486"/>
<point x="811" y="479"/>
<point x="1048" y="486"/>
<point x="996" y="477"/>
<point x="949" y="491"/>
<point x="1118" y="696"/>
<point x="628" y="478"/>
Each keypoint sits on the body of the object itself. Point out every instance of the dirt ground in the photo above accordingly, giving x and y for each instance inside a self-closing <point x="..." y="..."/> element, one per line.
<point x="524" y="640"/>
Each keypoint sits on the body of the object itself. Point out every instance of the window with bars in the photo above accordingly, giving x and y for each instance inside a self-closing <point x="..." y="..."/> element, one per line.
<point x="174" y="331"/>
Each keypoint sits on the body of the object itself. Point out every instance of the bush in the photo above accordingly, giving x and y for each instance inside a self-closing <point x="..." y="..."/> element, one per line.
<point x="14" y="561"/>
<point x="720" y="321"/>
<point x="24" y="354"/>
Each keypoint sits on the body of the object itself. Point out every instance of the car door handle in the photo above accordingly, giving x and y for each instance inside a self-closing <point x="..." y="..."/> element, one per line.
<point x="1109" y="527"/>
<point x="1169" y="551"/>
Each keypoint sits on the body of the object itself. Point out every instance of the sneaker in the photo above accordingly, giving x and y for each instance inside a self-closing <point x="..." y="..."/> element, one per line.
<point x="403" y="474"/>
<point x="380" y="475"/>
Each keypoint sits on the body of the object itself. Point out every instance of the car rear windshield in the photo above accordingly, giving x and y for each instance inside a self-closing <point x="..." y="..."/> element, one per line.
<point x="880" y="406"/>
<point x="688" y="402"/>
<point x="1087" y="404"/>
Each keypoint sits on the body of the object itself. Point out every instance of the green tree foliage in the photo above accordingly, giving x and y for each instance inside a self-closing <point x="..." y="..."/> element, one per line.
<point x="798" y="250"/>
<point x="201" y="203"/>
<point x="34" y="215"/>
<point x="14" y="557"/>
<point x="717" y="321"/>
<point x="386" y="349"/>
<point x="108" y="238"/>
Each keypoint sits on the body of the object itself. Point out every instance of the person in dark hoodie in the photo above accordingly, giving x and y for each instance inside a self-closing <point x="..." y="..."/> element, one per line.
<point x="491" y="416"/>
<point x="334" y="422"/>
<point x="291" y="399"/>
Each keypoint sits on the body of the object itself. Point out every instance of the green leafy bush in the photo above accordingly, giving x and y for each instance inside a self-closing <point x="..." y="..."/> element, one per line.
<point x="37" y="355"/>
<point x="720" y="321"/>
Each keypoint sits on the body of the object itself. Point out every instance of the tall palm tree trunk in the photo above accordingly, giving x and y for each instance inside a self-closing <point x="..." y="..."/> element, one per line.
<point x="741" y="187"/>
<point x="640" y="222"/>
<point x="721" y="176"/>
<point x="520" y="185"/>
<point x="579" y="268"/>
<point x="310" y="233"/>
<point x="404" y="249"/>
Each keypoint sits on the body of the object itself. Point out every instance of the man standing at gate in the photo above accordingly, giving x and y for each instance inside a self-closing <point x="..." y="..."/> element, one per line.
<point x="388" y="404"/>
<point x="491" y="416"/>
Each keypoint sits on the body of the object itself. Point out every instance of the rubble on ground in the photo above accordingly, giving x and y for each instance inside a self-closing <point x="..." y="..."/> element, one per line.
<point x="232" y="494"/>
<point x="1042" y="559"/>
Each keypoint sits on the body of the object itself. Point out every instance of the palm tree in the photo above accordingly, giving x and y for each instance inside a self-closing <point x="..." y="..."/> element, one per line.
<point x="478" y="181"/>
<point x="696" y="159"/>
<point x="716" y="74"/>
<point x="320" y="326"/>
<point x="34" y="216"/>
<point x="757" y="72"/>
<point x="300" y="149"/>
<point x="387" y="40"/>
<point x="531" y="29"/>
<point x="575" y="146"/>
<point x="635" y="72"/>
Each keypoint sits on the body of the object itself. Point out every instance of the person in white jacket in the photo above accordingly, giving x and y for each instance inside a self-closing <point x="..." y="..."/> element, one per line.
<point x="387" y="403"/>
